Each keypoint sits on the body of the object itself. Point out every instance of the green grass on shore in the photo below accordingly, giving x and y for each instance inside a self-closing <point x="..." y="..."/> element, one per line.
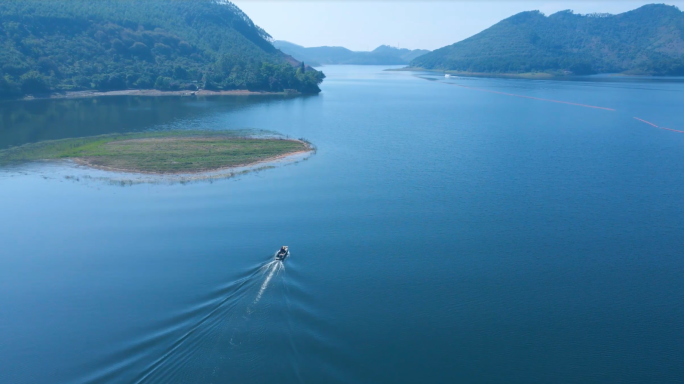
<point x="159" y="152"/>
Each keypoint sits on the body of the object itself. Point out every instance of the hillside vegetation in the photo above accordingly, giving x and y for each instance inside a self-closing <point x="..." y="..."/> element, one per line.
<point x="648" y="40"/>
<point x="383" y="55"/>
<point x="64" y="45"/>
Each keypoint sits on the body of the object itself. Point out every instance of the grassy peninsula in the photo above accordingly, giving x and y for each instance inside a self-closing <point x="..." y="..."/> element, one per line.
<point x="167" y="152"/>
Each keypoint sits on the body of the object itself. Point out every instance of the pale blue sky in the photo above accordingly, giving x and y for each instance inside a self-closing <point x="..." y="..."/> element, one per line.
<point x="364" y="25"/>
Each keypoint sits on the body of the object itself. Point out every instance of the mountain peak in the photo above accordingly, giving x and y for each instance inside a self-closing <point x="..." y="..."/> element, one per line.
<point x="659" y="7"/>
<point x="648" y="40"/>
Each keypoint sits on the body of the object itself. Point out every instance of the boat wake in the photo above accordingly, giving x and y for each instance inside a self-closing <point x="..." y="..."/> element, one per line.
<point x="230" y="328"/>
<point x="271" y="269"/>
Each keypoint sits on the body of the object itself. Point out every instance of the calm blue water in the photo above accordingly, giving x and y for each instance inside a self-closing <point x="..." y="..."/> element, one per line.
<point x="441" y="234"/>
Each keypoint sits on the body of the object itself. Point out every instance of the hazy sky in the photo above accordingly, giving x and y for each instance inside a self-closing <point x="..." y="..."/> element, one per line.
<point x="364" y="25"/>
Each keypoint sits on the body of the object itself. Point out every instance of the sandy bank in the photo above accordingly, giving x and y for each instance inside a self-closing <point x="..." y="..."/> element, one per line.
<point x="199" y="173"/>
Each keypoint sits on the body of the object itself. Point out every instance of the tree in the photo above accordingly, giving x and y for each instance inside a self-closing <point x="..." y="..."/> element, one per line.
<point x="117" y="44"/>
<point x="33" y="82"/>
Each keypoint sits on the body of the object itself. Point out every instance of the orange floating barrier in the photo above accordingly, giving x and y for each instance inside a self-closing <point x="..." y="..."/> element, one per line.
<point x="531" y="97"/>
<point x="653" y="125"/>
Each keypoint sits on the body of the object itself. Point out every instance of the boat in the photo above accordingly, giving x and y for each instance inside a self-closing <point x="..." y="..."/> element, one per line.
<point x="283" y="253"/>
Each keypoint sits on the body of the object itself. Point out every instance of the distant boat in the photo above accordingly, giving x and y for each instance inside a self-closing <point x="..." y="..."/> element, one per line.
<point x="447" y="75"/>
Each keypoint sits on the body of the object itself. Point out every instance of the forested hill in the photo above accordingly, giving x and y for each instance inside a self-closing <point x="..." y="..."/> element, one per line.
<point x="383" y="55"/>
<point x="63" y="45"/>
<point x="648" y="40"/>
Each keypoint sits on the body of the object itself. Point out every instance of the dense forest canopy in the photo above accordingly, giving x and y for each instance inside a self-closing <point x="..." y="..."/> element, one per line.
<point x="64" y="45"/>
<point x="648" y="40"/>
<point x="382" y="55"/>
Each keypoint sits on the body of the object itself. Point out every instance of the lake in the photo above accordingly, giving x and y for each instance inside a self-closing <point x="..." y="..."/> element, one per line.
<point x="447" y="230"/>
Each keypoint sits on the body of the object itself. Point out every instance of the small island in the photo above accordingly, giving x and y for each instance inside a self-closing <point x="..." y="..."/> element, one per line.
<point x="162" y="153"/>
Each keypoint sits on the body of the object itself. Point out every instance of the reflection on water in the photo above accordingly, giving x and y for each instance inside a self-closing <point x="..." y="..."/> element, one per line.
<point x="23" y="122"/>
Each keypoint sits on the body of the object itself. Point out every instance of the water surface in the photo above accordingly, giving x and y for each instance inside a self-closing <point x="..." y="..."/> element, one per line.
<point x="447" y="230"/>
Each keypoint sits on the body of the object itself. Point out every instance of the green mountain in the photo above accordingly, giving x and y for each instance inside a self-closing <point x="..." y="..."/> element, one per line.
<point x="648" y="40"/>
<point x="383" y="55"/>
<point x="64" y="45"/>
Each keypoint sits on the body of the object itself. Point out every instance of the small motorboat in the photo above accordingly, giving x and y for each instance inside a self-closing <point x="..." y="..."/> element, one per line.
<point x="283" y="253"/>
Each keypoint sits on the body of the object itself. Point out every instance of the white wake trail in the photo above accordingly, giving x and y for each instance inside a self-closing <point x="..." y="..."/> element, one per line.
<point x="272" y="269"/>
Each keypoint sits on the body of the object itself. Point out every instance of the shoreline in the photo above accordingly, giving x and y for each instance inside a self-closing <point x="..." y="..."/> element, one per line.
<point x="530" y="75"/>
<point x="526" y="75"/>
<point x="154" y="93"/>
<point x="85" y="163"/>
<point x="124" y="178"/>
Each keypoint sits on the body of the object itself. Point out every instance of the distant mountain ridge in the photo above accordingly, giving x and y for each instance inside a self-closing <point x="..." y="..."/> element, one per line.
<point x="648" y="40"/>
<point x="383" y="55"/>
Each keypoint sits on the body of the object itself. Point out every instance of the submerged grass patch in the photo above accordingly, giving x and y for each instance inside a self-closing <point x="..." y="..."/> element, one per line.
<point x="160" y="152"/>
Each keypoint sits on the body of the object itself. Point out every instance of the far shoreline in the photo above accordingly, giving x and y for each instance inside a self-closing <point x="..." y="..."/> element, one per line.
<point x="530" y="75"/>
<point x="526" y="75"/>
